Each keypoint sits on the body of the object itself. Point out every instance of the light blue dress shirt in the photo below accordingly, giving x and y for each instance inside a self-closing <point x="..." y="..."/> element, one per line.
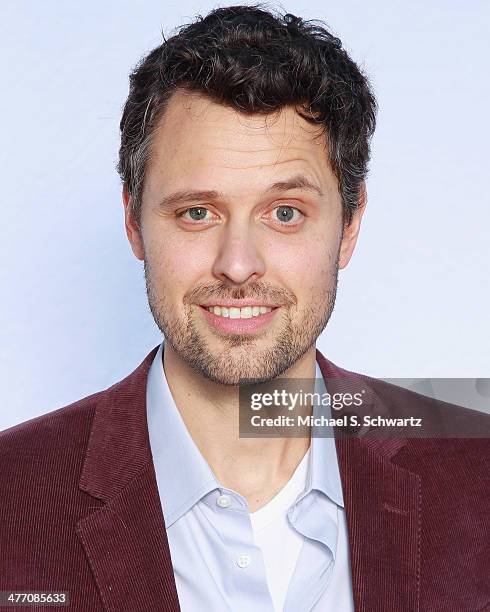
<point x="207" y="541"/>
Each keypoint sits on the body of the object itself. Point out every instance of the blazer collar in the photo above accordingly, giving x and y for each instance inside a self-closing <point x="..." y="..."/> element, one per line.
<point x="125" y="538"/>
<point x="383" y="510"/>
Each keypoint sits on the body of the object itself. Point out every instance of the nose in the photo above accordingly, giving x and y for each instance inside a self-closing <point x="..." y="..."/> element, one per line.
<point x="239" y="258"/>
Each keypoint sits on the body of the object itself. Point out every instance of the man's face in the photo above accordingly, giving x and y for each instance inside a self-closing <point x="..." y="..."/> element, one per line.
<point x="238" y="213"/>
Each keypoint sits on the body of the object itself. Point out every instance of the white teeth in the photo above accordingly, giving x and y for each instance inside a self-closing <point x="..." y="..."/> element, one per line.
<point x="247" y="312"/>
<point x="234" y="313"/>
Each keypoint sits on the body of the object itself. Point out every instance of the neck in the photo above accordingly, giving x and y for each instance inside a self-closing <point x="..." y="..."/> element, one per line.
<point x="257" y="468"/>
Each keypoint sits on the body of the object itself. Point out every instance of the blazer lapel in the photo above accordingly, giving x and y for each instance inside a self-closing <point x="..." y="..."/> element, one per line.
<point x="125" y="539"/>
<point x="383" y="510"/>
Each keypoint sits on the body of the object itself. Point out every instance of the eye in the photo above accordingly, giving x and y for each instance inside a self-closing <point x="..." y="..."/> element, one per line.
<point x="196" y="213"/>
<point x="286" y="214"/>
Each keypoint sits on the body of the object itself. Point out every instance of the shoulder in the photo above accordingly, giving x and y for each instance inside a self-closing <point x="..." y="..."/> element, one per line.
<point x="66" y="430"/>
<point x="451" y="439"/>
<point x="440" y="419"/>
<point x="52" y="444"/>
<point x="61" y="426"/>
<point x="52" y="447"/>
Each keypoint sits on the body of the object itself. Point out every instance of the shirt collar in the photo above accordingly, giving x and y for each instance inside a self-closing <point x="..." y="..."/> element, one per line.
<point x="184" y="476"/>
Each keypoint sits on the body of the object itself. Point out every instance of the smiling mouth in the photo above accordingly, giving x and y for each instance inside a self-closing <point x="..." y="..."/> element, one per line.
<point x="232" y="319"/>
<point x="245" y="312"/>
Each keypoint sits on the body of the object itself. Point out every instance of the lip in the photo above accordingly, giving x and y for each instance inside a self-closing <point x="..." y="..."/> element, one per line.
<point x="238" y="326"/>
<point x="237" y="303"/>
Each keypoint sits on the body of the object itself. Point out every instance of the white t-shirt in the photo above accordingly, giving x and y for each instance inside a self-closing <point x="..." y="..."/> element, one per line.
<point x="279" y="541"/>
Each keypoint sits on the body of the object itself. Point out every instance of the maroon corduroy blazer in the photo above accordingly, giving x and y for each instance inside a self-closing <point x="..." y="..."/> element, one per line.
<point x="80" y="511"/>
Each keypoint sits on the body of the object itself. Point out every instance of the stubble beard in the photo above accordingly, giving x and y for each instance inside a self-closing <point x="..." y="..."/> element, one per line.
<point x="239" y="359"/>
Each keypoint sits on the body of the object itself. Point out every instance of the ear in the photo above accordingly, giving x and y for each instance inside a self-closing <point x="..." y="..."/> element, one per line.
<point x="351" y="231"/>
<point x="133" y="231"/>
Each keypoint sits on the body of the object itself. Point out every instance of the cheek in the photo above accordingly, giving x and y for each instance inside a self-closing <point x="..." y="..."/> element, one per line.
<point x="304" y="267"/>
<point x="178" y="264"/>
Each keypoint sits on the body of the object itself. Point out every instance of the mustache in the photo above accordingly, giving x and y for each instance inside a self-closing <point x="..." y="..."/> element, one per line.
<point x="257" y="291"/>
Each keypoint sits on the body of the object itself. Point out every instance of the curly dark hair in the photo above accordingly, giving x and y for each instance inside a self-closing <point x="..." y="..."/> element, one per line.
<point x="257" y="62"/>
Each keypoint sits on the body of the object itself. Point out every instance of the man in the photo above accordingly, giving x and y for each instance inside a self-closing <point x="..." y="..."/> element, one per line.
<point x="244" y="151"/>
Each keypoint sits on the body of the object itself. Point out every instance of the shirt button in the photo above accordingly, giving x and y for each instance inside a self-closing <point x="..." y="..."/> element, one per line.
<point x="224" y="501"/>
<point x="243" y="561"/>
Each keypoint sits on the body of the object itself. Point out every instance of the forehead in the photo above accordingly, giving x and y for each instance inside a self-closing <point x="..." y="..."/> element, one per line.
<point x="208" y="141"/>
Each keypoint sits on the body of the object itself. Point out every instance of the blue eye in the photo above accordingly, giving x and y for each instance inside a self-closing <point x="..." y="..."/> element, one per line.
<point x="197" y="213"/>
<point x="286" y="213"/>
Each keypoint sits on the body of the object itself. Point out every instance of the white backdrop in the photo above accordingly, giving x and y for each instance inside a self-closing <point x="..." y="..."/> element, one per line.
<point x="414" y="300"/>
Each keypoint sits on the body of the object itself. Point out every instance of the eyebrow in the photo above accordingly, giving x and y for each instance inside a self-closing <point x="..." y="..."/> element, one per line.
<point x="298" y="181"/>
